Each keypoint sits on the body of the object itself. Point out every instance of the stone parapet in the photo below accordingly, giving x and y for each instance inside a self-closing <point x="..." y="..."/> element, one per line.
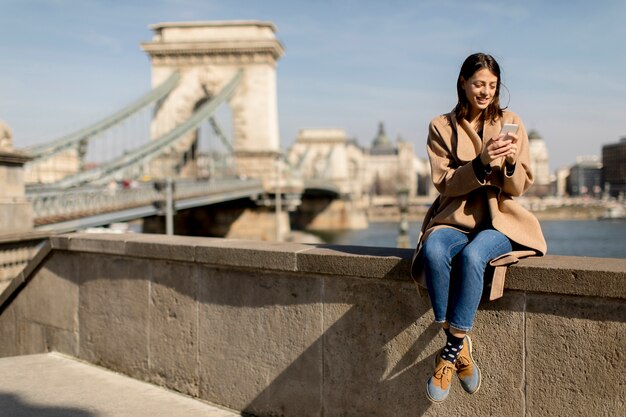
<point x="317" y="330"/>
<point x="567" y="275"/>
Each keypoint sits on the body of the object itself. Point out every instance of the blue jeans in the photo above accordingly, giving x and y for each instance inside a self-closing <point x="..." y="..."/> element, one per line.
<point x="454" y="267"/>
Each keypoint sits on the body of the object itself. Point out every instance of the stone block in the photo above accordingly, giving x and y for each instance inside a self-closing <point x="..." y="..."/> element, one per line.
<point x="51" y="296"/>
<point x="260" y="346"/>
<point x="113" y="320"/>
<point x="15" y="216"/>
<point x="174" y="327"/>
<point x="31" y="338"/>
<point x="60" y="242"/>
<point x="378" y="345"/>
<point x="180" y="248"/>
<point x="357" y="261"/>
<point x="8" y="332"/>
<point x="575" y="275"/>
<point x="499" y="349"/>
<point x="34" y="338"/>
<point x="105" y="243"/>
<point x="575" y="359"/>
<point x="11" y="178"/>
<point x="252" y="254"/>
<point x="63" y="341"/>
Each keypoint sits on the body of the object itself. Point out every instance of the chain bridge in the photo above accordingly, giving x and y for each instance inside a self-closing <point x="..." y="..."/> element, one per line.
<point x="168" y="146"/>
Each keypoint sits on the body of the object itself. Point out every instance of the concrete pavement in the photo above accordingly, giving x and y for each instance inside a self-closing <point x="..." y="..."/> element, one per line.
<point x="53" y="385"/>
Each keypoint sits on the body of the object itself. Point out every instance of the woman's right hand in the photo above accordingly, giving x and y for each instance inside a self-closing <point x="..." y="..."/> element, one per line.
<point x="495" y="148"/>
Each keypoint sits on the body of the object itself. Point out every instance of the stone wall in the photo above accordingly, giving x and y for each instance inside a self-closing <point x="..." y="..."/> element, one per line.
<point x="296" y="330"/>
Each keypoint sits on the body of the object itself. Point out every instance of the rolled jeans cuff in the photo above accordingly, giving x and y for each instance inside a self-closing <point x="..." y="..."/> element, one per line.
<point x="461" y="328"/>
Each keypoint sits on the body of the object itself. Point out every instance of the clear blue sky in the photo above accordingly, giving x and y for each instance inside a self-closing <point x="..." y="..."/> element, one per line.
<point x="348" y="64"/>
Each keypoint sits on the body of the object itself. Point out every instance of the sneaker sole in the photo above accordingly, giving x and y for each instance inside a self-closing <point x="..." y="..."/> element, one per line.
<point x="432" y="400"/>
<point x="480" y="380"/>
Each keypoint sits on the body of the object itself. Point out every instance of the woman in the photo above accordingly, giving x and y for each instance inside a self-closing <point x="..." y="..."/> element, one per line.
<point x="477" y="170"/>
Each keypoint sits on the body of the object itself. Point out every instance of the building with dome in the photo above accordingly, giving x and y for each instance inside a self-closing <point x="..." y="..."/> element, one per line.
<point x="539" y="165"/>
<point x="390" y="167"/>
<point x="379" y="170"/>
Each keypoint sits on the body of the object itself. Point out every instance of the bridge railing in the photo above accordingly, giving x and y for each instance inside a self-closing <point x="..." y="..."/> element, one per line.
<point x="52" y="206"/>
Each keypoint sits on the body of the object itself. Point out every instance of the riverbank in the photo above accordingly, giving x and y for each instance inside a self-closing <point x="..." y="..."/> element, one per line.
<point x="595" y="238"/>
<point x="572" y="212"/>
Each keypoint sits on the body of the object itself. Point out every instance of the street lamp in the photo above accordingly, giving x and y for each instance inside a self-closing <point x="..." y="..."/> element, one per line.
<point x="403" y="240"/>
<point x="278" y="197"/>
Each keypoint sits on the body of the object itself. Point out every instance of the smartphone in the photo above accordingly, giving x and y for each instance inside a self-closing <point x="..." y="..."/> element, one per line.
<point x="509" y="128"/>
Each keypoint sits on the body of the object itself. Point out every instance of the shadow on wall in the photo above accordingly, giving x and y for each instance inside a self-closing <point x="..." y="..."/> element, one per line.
<point x="14" y="406"/>
<point x="341" y="345"/>
<point x="360" y="388"/>
<point x="354" y="365"/>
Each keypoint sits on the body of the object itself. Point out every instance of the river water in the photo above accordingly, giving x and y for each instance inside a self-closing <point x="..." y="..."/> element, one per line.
<point x="595" y="238"/>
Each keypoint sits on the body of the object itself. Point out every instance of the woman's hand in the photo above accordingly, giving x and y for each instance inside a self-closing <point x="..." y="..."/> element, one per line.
<point x="504" y="145"/>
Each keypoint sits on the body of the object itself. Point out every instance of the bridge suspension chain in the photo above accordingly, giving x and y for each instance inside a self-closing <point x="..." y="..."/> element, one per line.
<point x="144" y="154"/>
<point x="45" y="151"/>
<point x="220" y="134"/>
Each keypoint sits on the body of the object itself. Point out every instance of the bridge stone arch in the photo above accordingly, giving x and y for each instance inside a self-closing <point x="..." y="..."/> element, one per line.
<point x="208" y="55"/>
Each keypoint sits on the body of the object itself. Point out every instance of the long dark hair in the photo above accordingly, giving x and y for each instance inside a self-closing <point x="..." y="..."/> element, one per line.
<point x="473" y="63"/>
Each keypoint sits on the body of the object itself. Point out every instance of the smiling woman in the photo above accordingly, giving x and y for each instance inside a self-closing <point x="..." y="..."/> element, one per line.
<point x="477" y="168"/>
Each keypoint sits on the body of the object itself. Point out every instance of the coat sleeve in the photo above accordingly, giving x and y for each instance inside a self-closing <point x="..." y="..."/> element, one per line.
<point x="522" y="178"/>
<point x="449" y="177"/>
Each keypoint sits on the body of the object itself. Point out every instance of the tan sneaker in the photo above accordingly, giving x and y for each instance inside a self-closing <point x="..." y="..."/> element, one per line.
<point x="438" y="385"/>
<point x="466" y="368"/>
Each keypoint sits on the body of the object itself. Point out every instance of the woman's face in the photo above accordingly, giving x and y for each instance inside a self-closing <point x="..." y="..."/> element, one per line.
<point x="480" y="90"/>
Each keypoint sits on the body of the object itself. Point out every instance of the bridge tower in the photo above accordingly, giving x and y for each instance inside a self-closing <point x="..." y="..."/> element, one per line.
<point x="208" y="55"/>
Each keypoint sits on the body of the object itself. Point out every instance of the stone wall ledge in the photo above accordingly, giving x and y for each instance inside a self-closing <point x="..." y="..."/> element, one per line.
<point x="26" y="236"/>
<point x="279" y="329"/>
<point x="584" y="276"/>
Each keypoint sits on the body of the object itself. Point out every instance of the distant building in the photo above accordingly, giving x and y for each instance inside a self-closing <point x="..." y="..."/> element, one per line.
<point x="328" y="154"/>
<point x="54" y="168"/>
<point x="539" y="165"/>
<point x="560" y="182"/>
<point x="614" y="168"/>
<point x="390" y="167"/>
<point x="382" y="172"/>
<point x="585" y="177"/>
<point x="379" y="170"/>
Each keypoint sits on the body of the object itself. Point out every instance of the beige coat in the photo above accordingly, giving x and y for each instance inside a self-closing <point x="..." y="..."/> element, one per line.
<point x="464" y="202"/>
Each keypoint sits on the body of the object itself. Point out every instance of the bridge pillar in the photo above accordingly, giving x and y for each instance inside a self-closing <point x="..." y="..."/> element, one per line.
<point x="320" y="214"/>
<point x="16" y="213"/>
<point x="208" y="55"/>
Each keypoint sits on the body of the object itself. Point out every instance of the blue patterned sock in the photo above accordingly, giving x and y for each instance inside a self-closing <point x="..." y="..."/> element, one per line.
<point x="453" y="347"/>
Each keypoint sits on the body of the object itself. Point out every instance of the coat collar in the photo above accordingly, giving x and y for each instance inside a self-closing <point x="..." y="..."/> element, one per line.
<point x="468" y="144"/>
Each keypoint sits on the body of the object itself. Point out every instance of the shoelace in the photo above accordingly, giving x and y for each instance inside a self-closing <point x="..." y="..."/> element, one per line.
<point x="442" y="371"/>
<point x="462" y="362"/>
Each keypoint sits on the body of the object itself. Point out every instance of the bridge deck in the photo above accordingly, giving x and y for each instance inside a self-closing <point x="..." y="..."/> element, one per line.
<point x="65" y="211"/>
<point x="55" y="385"/>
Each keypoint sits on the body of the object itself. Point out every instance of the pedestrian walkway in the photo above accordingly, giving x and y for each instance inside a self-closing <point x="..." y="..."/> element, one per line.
<point x="53" y="385"/>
